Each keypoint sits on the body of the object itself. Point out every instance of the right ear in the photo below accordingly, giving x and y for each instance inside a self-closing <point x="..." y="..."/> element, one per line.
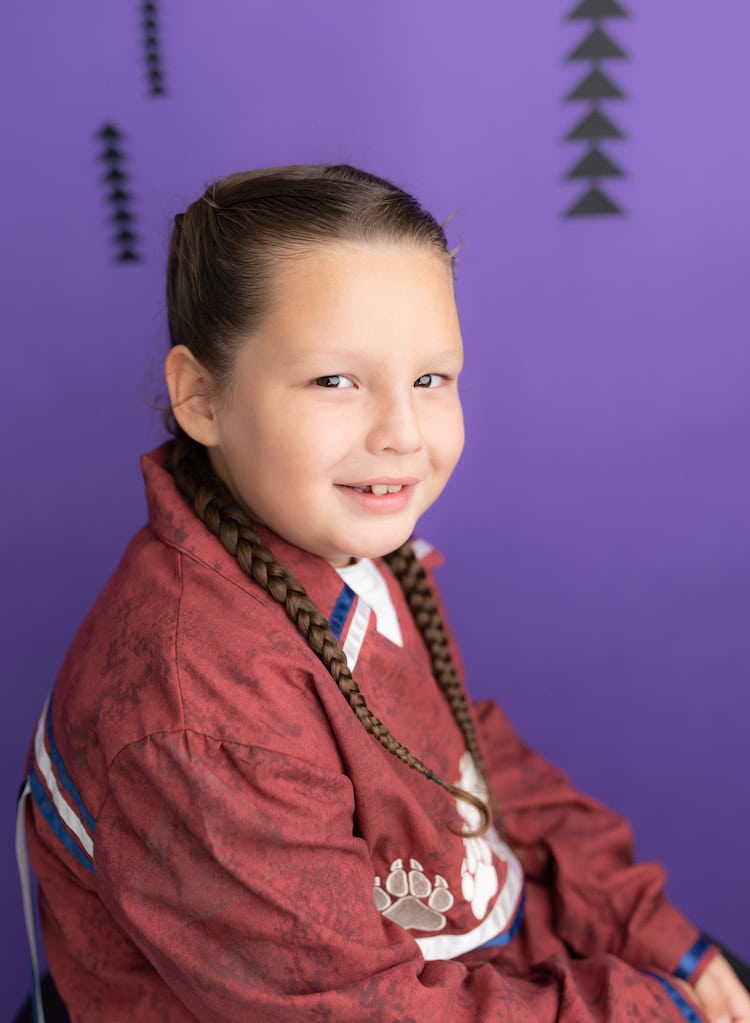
<point x="191" y="395"/>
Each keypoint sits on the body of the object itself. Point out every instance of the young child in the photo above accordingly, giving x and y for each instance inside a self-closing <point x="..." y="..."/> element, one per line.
<point x="259" y="790"/>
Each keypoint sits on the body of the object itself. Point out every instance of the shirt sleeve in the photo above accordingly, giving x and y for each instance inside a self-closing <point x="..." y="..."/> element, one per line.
<point x="238" y="873"/>
<point x="603" y="901"/>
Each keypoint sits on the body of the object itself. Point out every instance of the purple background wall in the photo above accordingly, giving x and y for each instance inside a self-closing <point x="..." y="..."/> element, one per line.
<point x="596" y="533"/>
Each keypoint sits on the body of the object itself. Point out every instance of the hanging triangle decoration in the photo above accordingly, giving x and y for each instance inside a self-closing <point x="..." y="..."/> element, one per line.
<point x="594" y="203"/>
<point x="597" y="46"/>
<point x="598" y="9"/>
<point x="118" y="199"/>
<point x="108" y="132"/>
<point x="594" y="165"/>
<point x="152" y="48"/>
<point x="121" y="216"/>
<point x="594" y="126"/>
<point x="596" y="86"/>
<point x="596" y="89"/>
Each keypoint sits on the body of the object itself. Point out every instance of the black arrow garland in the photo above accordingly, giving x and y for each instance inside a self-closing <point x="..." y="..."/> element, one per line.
<point x="115" y="177"/>
<point x="152" y="48"/>
<point x="594" y="89"/>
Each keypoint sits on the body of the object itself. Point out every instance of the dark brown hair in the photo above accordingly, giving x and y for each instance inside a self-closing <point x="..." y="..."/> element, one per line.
<point x="223" y="255"/>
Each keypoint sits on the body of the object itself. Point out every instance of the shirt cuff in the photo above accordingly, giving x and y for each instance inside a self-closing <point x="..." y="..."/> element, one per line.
<point x="695" y="960"/>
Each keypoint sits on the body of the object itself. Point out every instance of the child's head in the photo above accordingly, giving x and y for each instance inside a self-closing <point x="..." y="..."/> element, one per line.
<point x="316" y="350"/>
<point x="314" y="363"/>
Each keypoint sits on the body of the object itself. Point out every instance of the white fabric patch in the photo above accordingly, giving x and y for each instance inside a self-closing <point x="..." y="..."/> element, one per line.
<point x="479" y="879"/>
<point x="355" y="637"/>
<point x="421" y="548"/>
<point x="500" y="918"/>
<point x="365" y="579"/>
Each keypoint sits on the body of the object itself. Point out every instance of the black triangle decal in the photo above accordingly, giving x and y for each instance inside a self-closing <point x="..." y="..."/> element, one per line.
<point x="596" y="46"/>
<point x="128" y="256"/>
<point x="110" y="153"/>
<point x="598" y="9"/>
<point x="121" y="216"/>
<point x="593" y="203"/>
<point x="119" y="195"/>
<point x="595" y="126"/>
<point x="107" y="132"/>
<point x="115" y="175"/>
<point x="594" y="165"/>
<point x="596" y="86"/>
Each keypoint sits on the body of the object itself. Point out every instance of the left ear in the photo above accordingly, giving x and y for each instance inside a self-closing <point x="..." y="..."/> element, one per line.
<point x="191" y="390"/>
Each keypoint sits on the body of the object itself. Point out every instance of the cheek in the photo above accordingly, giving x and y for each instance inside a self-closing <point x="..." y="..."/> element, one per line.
<point x="451" y="439"/>
<point x="316" y="444"/>
<point x="460" y="433"/>
<point x="299" y="451"/>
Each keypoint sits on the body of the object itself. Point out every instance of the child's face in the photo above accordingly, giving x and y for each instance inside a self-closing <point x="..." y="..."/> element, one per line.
<point x="350" y="383"/>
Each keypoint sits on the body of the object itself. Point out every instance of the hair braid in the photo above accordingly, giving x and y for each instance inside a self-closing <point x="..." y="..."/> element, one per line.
<point x="213" y="504"/>
<point x="419" y="596"/>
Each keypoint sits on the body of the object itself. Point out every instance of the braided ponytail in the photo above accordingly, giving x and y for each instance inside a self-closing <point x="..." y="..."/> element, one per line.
<point x="213" y="504"/>
<point x="413" y="580"/>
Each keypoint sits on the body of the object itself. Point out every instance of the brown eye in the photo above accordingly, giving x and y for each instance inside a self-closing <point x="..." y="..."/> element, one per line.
<point x="336" y="380"/>
<point x="429" y="380"/>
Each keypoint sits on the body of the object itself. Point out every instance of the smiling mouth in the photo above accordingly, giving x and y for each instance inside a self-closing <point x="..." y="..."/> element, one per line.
<point x="380" y="489"/>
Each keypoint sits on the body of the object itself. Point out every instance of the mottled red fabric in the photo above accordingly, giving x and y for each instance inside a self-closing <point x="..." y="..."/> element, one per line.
<point x="259" y="856"/>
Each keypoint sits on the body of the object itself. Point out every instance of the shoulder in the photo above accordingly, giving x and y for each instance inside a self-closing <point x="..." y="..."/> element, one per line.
<point x="180" y="637"/>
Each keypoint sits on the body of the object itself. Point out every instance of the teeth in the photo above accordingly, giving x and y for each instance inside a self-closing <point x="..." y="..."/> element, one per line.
<point x="382" y="488"/>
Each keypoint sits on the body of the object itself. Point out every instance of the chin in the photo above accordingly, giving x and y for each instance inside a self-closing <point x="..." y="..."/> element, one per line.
<point x="377" y="547"/>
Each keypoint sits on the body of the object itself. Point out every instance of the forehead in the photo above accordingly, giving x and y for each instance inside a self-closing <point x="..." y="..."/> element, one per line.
<point x="383" y="254"/>
<point x="380" y="282"/>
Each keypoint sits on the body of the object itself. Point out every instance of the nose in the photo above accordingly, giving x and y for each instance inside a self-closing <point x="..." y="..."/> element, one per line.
<point x="395" y="425"/>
